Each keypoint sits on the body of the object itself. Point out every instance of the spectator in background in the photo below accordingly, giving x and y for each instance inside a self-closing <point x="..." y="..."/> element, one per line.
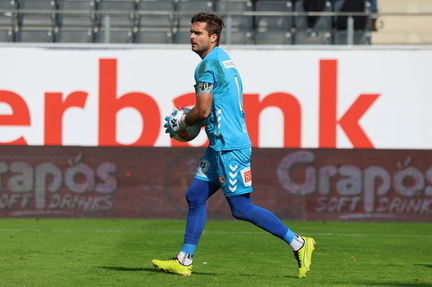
<point x="374" y="16"/>
<point x="359" y="21"/>
<point x="352" y="6"/>
<point x="313" y="6"/>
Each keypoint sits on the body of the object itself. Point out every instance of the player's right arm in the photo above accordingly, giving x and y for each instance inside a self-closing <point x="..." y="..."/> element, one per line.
<point x="202" y="108"/>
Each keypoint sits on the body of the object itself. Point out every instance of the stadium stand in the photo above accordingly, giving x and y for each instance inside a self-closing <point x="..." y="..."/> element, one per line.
<point x="118" y="19"/>
<point x="241" y="26"/>
<point x="274" y="29"/>
<point x="321" y="33"/>
<point x="37" y="21"/>
<point x="77" y="22"/>
<point x="361" y="24"/>
<point x="8" y="21"/>
<point x="274" y="22"/>
<point x="157" y="26"/>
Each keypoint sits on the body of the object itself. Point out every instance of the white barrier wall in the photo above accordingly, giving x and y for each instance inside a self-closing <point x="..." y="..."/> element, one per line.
<point x="294" y="97"/>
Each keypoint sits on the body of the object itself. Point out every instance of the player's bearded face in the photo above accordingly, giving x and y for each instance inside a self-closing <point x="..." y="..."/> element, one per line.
<point x="201" y="41"/>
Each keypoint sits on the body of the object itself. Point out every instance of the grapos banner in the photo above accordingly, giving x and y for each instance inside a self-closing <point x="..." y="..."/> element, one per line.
<point x="150" y="182"/>
<point x="294" y="97"/>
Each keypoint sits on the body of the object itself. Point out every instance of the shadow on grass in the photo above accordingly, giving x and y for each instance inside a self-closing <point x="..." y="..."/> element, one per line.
<point x="424" y="265"/>
<point x="128" y="269"/>
<point x="155" y="270"/>
<point x="395" y="284"/>
<point x="272" y="276"/>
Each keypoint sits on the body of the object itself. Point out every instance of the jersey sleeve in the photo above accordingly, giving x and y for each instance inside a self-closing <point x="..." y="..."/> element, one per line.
<point x="204" y="77"/>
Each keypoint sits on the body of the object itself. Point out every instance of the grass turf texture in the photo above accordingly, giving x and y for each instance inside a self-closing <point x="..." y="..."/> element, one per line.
<point x="105" y="252"/>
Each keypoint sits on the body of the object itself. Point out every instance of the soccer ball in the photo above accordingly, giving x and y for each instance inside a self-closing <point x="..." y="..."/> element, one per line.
<point x="189" y="133"/>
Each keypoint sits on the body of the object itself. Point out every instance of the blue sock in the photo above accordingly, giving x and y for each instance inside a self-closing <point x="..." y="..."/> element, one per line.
<point x="289" y="237"/>
<point x="189" y="248"/>
<point x="196" y="196"/>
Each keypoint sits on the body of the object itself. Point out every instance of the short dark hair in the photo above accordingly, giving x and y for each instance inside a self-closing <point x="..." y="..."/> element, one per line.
<point x="214" y="23"/>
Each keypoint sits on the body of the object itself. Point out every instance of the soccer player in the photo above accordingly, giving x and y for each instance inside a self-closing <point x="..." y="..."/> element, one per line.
<point x="226" y="162"/>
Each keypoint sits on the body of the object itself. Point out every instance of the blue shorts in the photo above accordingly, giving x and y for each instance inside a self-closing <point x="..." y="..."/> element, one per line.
<point x="229" y="169"/>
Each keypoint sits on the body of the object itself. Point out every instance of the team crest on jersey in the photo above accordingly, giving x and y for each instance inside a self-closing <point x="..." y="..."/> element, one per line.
<point x="221" y="179"/>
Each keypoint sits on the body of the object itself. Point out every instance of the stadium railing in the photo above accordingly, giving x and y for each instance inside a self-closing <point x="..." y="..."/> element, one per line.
<point x="93" y="25"/>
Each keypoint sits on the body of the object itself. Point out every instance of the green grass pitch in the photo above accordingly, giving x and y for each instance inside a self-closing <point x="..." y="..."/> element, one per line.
<point x="118" y="252"/>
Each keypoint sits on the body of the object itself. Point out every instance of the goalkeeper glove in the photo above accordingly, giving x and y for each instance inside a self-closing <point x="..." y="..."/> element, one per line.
<point x="175" y="122"/>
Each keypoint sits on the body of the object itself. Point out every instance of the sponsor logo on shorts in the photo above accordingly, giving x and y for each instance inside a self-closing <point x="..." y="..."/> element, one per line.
<point x="221" y="179"/>
<point x="247" y="176"/>
<point x="204" y="165"/>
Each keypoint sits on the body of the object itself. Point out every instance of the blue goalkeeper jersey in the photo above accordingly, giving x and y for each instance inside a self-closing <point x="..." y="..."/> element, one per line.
<point x="226" y="125"/>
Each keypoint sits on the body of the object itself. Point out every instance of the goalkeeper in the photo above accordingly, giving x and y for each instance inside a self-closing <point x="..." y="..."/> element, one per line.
<point x="226" y="162"/>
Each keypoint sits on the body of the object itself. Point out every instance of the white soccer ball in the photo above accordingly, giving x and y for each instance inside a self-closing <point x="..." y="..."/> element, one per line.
<point x="189" y="133"/>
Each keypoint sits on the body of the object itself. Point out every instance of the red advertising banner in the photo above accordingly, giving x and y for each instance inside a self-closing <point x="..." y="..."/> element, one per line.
<point x="337" y="97"/>
<point x="150" y="182"/>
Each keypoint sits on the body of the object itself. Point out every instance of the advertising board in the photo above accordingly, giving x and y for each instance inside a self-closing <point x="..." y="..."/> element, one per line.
<point x="338" y="134"/>
<point x="151" y="182"/>
<point x="332" y="98"/>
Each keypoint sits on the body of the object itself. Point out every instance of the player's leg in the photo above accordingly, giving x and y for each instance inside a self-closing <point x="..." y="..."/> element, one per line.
<point x="196" y="197"/>
<point x="200" y="190"/>
<point x="234" y="169"/>
<point x="243" y="209"/>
